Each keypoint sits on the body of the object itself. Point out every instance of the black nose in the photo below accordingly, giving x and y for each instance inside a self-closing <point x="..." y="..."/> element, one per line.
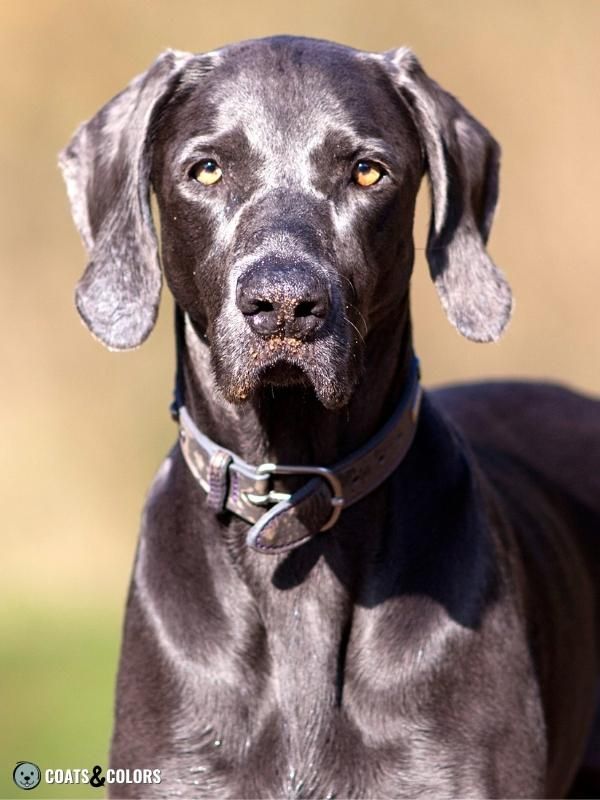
<point x="292" y="300"/>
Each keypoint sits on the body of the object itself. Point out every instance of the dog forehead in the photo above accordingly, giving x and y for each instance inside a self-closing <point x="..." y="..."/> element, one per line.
<point x="286" y="90"/>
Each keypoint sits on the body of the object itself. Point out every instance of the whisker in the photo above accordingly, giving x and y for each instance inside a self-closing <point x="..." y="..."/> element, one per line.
<point x="362" y="319"/>
<point x="350" y="284"/>
<point x="360" y="336"/>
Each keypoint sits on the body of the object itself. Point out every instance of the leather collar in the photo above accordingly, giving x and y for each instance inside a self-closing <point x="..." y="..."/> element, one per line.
<point x="281" y="522"/>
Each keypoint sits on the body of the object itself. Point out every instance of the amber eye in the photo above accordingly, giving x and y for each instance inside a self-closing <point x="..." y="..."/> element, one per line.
<point x="207" y="172"/>
<point x="367" y="173"/>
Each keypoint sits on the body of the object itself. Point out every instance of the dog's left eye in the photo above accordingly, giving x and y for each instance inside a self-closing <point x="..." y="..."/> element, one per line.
<point x="367" y="173"/>
<point x="207" y="172"/>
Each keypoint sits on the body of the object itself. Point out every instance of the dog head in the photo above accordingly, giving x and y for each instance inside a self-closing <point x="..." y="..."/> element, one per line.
<point x="286" y="172"/>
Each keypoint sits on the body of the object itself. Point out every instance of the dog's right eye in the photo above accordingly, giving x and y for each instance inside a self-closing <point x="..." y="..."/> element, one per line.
<point x="207" y="172"/>
<point x="367" y="173"/>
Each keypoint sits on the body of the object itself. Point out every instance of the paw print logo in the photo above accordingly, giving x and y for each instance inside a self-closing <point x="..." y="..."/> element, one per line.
<point x="27" y="775"/>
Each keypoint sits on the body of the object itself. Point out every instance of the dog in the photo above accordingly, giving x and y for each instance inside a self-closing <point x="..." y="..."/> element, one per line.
<point x="344" y="587"/>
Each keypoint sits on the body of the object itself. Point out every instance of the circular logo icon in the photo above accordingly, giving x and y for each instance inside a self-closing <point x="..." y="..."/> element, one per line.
<point x="27" y="775"/>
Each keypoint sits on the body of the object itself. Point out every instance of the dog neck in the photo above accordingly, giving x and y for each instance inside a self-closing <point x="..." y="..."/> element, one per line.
<point x="289" y="424"/>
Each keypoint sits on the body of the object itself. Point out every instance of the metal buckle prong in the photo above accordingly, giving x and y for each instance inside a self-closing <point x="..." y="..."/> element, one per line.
<point x="337" y="491"/>
<point x="267" y="498"/>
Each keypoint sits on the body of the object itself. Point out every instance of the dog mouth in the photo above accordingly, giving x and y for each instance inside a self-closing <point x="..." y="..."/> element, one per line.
<point x="244" y="365"/>
<point x="280" y="362"/>
<point x="284" y="373"/>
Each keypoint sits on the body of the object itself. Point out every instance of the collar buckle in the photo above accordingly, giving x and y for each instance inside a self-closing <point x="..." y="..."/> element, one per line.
<point x="268" y="498"/>
<point x="335" y="485"/>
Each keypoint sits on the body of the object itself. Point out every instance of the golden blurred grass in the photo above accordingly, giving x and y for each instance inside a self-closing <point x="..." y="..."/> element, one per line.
<point x="84" y="429"/>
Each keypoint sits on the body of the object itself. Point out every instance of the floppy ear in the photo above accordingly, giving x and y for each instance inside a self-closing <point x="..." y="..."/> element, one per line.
<point x="106" y="168"/>
<point x="463" y="163"/>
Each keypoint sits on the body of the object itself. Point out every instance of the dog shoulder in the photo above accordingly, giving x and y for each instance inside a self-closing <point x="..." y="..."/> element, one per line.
<point x="553" y="431"/>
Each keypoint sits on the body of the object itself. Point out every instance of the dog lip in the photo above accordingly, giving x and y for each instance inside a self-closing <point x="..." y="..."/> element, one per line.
<point x="283" y="372"/>
<point x="278" y="347"/>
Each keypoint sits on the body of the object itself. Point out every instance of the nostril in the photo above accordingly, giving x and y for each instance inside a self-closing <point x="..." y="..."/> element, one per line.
<point x="262" y="305"/>
<point x="262" y="316"/>
<point x="251" y="305"/>
<point x="312" y="308"/>
<point x="304" y="309"/>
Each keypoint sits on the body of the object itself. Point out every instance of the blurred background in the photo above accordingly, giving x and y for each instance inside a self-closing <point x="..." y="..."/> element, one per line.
<point x="84" y="430"/>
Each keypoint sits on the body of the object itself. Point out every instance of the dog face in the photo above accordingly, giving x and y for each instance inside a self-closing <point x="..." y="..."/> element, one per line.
<point x="273" y="239"/>
<point x="286" y="172"/>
